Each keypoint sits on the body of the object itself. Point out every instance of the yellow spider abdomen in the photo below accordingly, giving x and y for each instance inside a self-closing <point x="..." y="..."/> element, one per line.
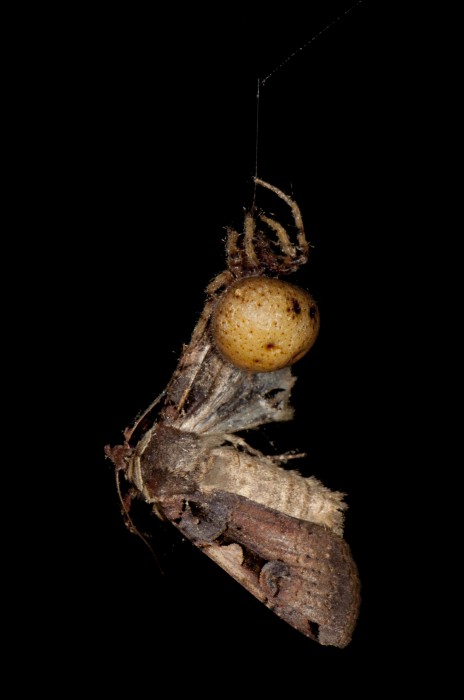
<point x="263" y="324"/>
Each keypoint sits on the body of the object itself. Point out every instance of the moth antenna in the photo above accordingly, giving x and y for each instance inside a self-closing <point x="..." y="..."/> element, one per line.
<point x="129" y="431"/>
<point x="133" y="529"/>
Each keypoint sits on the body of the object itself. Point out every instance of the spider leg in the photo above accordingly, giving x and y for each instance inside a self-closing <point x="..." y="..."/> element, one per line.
<point x="232" y="248"/>
<point x="234" y="252"/>
<point x="284" y="241"/>
<point x="222" y="280"/>
<point x="250" y="230"/>
<point x="303" y="244"/>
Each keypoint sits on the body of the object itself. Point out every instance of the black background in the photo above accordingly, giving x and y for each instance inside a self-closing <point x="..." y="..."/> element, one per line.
<point x="153" y="132"/>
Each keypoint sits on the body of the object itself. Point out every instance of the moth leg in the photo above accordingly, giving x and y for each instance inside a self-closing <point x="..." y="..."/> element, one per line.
<point x="286" y="456"/>
<point x="237" y="441"/>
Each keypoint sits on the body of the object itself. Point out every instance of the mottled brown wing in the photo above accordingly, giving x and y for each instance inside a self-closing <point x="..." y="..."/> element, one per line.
<point x="302" y="571"/>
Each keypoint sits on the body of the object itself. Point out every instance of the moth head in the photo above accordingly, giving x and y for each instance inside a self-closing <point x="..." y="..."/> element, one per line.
<point x="263" y="324"/>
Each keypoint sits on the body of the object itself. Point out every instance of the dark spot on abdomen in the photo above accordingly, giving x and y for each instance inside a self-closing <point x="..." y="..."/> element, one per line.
<point x="296" y="306"/>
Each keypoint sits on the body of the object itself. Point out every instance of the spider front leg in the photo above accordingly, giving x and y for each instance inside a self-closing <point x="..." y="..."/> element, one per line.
<point x="293" y="255"/>
<point x="303" y="244"/>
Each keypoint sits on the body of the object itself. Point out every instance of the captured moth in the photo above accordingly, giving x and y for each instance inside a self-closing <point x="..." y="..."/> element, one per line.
<point x="277" y="533"/>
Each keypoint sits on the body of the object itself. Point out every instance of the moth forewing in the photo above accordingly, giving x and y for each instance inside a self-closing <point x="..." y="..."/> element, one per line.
<point x="300" y="570"/>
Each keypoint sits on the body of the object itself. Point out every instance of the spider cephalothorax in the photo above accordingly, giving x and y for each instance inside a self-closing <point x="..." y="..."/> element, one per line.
<point x="253" y="253"/>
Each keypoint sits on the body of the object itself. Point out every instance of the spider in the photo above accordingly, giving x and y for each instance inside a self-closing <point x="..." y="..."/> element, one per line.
<point x="250" y="253"/>
<point x="261" y="323"/>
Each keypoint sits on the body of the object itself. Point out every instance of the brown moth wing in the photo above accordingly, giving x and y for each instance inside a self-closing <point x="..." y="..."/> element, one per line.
<point x="302" y="571"/>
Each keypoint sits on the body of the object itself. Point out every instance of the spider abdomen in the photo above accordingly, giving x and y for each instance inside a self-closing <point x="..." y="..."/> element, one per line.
<point x="263" y="324"/>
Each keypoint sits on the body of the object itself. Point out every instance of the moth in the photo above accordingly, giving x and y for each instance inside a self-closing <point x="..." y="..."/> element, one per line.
<point x="274" y="531"/>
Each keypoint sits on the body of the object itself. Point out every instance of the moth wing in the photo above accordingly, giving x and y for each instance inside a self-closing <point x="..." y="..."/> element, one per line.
<point x="300" y="570"/>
